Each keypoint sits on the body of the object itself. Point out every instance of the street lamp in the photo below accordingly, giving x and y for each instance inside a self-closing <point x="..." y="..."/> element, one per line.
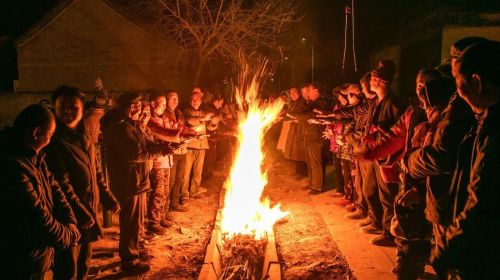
<point x="303" y="40"/>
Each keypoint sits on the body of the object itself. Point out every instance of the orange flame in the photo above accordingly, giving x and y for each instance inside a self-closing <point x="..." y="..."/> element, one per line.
<point x="245" y="212"/>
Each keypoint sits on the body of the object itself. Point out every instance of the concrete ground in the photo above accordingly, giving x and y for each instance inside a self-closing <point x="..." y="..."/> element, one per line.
<point x="366" y="261"/>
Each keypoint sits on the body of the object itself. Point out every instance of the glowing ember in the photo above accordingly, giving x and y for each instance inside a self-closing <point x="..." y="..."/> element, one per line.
<point x="244" y="211"/>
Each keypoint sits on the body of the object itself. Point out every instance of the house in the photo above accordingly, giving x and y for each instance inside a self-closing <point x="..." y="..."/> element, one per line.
<point x="421" y="38"/>
<point x="80" y="40"/>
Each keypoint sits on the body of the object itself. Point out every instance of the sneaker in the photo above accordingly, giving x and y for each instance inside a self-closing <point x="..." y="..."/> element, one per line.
<point x="314" y="192"/>
<point x="166" y="223"/>
<point x="156" y="229"/>
<point x="366" y="221"/>
<point x="350" y="207"/>
<point x="343" y="202"/>
<point x="180" y="208"/>
<point x="385" y="240"/>
<point x="356" y="215"/>
<point x="135" y="268"/>
<point x="371" y="229"/>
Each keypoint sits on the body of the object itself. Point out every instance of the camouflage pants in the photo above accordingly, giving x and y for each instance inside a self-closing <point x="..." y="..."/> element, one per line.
<point x="159" y="194"/>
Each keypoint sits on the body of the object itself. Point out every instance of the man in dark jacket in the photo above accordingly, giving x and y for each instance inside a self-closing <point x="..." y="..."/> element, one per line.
<point x="472" y="243"/>
<point x="128" y="155"/>
<point x="383" y="115"/>
<point x="439" y="159"/>
<point x="313" y="140"/>
<point x="71" y="158"/>
<point x="32" y="205"/>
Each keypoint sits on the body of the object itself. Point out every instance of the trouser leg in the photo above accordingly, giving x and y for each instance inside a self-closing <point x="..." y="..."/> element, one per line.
<point x="359" y="199"/>
<point x="210" y="158"/>
<point x="175" y="191"/>
<point x="370" y="192"/>
<point x="309" y="168"/>
<point x="387" y="193"/>
<point x="199" y="157"/>
<point x="188" y="168"/>
<point x="157" y="196"/>
<point x="65" y="263"/>
<point x="131" y="219"/>
<point x="316" y="164"/>
<point x="84" y="260"/>
<point x="346" y="174"/>
<point x="338" y="179"/>
<point x="412" y="256"/>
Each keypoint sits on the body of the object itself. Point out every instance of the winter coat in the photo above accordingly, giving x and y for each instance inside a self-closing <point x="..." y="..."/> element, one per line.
<point x="127" y="154"/>
<point x="311" y="132"/>
<point x="473" y="239"/>
<point x="294" y="140"/>
<point x="440" y="158"/>
<point x="71" y="158"/>
<point x="160" y="128"/>
<point x="33" y="208"/>
<point x="177" y="121"/>
<point x="194" y="121"/>
<point x="383" y="115"/>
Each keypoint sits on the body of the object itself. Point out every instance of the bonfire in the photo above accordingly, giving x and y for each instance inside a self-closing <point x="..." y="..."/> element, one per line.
<point x="247" y="217"/>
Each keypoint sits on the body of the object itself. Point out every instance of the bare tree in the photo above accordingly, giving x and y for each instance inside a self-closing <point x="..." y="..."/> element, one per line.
<point x="231" y="30"/>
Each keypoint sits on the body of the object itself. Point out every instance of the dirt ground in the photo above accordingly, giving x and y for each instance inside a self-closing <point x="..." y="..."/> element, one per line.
<point x="306" y="249"/>
<point x="177" y="255"/>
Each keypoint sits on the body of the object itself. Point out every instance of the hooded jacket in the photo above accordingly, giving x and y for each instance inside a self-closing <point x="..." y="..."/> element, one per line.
<point x="71" y="158"/>
<point x="127" y="154"/>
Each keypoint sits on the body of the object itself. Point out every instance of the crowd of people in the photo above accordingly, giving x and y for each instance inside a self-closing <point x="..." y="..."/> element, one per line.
<point x="138" y="155"/>
<point x="419" y="175"/>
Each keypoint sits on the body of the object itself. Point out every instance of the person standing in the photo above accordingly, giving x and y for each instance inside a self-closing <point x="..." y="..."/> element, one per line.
<point x="176" y="121"/>
<point x="32" y="206"/>
<point x="128" y="153"/>
<point x="160" y="178"/>
<point x="71" y="158"/>
<point x="473" y="238"/>
<point x="313" y="141"/>
<point x="196" y="119"/>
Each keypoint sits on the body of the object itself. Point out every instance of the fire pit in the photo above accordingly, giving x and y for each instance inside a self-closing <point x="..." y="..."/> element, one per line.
<point x="242" y="243"/>
<point x="217" y="264"/>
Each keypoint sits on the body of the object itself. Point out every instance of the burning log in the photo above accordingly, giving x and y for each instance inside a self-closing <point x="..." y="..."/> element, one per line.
<point x="243" y="258"/>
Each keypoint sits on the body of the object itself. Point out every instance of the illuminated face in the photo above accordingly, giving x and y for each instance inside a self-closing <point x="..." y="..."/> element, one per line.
<point x="145" y="114"/>
<point x="196" y="101"/>
<point x="313" y="93"/>
<point x="69" y="110"/>
<point x="376" y="83"/>
<point x="305" y="92"/>
<point x="159" y="105"/>
<point x="135" y="110"/>
<point x="352" y="98"/>
<point x="173" y="101"/>
<point x="467" y="87"/>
